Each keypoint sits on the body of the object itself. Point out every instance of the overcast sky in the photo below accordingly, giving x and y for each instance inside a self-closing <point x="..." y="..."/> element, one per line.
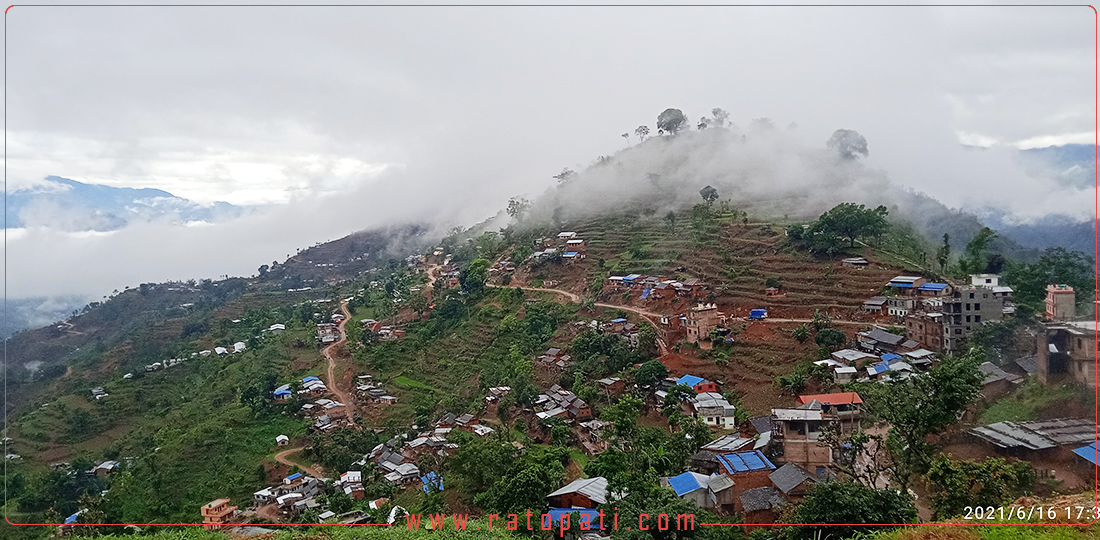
<point x="345" y="118"/>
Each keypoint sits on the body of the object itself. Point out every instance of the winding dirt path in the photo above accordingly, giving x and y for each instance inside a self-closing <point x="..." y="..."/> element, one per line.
<point x="329" y="353"/>
<point x="281" y="457"/>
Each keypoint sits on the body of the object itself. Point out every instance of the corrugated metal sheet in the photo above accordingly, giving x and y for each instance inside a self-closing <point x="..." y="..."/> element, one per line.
<point x="593" y="488"/>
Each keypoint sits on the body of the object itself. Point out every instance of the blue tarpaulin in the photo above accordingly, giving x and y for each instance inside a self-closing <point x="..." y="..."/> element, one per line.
<point x="645" y="293"/>
<point x="689" y="380"/>
<point x="932" y="287"/>
<point x="1090" y="452"/>
<point x="684" y="483"/>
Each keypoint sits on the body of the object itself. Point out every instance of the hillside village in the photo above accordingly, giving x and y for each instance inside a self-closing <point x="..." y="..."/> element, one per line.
<point x="731" y="373"/>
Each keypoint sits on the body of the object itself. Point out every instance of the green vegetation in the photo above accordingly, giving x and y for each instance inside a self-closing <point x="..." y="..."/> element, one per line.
<point x="955" y="485"/>
<point x="849" y="503"/>
<point x="1028" y="400"/>
<point x="915" y="408"/>
<point x="844" y="222"/>
<point x="1057" y="266"/>
<point x="406" y="382"/>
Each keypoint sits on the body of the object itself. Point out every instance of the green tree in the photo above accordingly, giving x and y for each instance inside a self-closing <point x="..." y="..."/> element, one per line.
<point x="671" y="121"/>
<point x="650" y="373"/>
<point x="954" y="485"/>
<point x="670" y="218"/>
<point x="709" y="194"/>
<point x="473" y="277"/>
<point x="676" y="395"/>
<point x="518" y="207"/>
<point x="1055" y="266"/>
<point x="920" y="406"/>
<point x="850" y="221"/>
<point x="831" y="338"/>
<point x="943" y="255"/>
<point x="859" y="507"/>
<point x="848" y="144"/>
<point x="802" y="333"/>
<point x="624" y="414"/>
<point x="977" y="252"/>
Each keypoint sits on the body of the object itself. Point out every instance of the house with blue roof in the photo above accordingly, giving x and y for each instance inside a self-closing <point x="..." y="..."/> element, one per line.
<point x="744" y="463"/>
<point x="704" y="491"/>
<point x="932" y="289"/>
<point x="699" y="384"/>
<point x="906" y="284"/>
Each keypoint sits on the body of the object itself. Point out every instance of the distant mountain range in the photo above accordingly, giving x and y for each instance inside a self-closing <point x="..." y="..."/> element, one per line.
<point x="1072" y="164"/>
<point x="64" y="204"/>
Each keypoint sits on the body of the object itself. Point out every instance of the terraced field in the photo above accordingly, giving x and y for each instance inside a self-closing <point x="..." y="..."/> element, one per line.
<point x="736" y="266"/>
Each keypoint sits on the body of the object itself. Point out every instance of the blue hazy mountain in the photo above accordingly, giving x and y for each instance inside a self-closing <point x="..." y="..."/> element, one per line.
<point x="61" y="203"/>
<point x="1071" y="164"/>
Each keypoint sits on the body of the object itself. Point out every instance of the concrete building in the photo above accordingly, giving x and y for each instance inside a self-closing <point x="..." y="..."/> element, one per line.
<point x="926" y="329"/>
<point x="985" y="280"/>
<point x="798" y="430"/>
<point x="1067" y="349"/>
<point x="700" y="320"/>
<point x="216" y="514"/>
<point x="967" y="308"/>
<point x="1060" y="302"/>
<point x="900" y="306"/>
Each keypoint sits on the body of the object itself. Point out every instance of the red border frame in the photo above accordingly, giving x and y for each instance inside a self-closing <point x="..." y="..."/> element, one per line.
<point x="1096" y="205"/>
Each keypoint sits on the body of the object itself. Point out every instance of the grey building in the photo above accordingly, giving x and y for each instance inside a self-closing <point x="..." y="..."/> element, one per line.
<point x="968" y="307"/>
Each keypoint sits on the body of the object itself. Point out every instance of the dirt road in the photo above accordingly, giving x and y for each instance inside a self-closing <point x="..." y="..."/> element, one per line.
<point x="329" y="353"/>
<point x="281" y="457"/>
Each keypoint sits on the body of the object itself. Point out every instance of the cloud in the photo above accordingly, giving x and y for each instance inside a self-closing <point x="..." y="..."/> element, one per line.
<point x="345" y="118"/>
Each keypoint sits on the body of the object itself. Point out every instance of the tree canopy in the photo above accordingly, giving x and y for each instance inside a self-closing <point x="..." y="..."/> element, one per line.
<point x="955" y="485"/>
<point x="671" y="121"/>
<point x="1055" y="266"/>
<point x="850" y="503"/>
<point x="845" y="221"/>
<point x="848" y="143"/>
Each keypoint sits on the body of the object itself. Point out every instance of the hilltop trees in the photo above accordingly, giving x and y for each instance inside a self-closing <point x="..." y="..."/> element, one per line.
<point x="721" y="117"/>
<point x="518" y="206"/>
<point x="642" y="132"/>
<point x="709" y="194"/>
<point x="671" y="121"/>
<point x="844" y="222"/>
<point x="565" y="175"/>
<point x="848" y="144"/>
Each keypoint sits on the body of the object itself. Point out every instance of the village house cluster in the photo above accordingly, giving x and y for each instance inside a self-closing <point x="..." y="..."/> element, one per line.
<point x="566" y="245"/>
